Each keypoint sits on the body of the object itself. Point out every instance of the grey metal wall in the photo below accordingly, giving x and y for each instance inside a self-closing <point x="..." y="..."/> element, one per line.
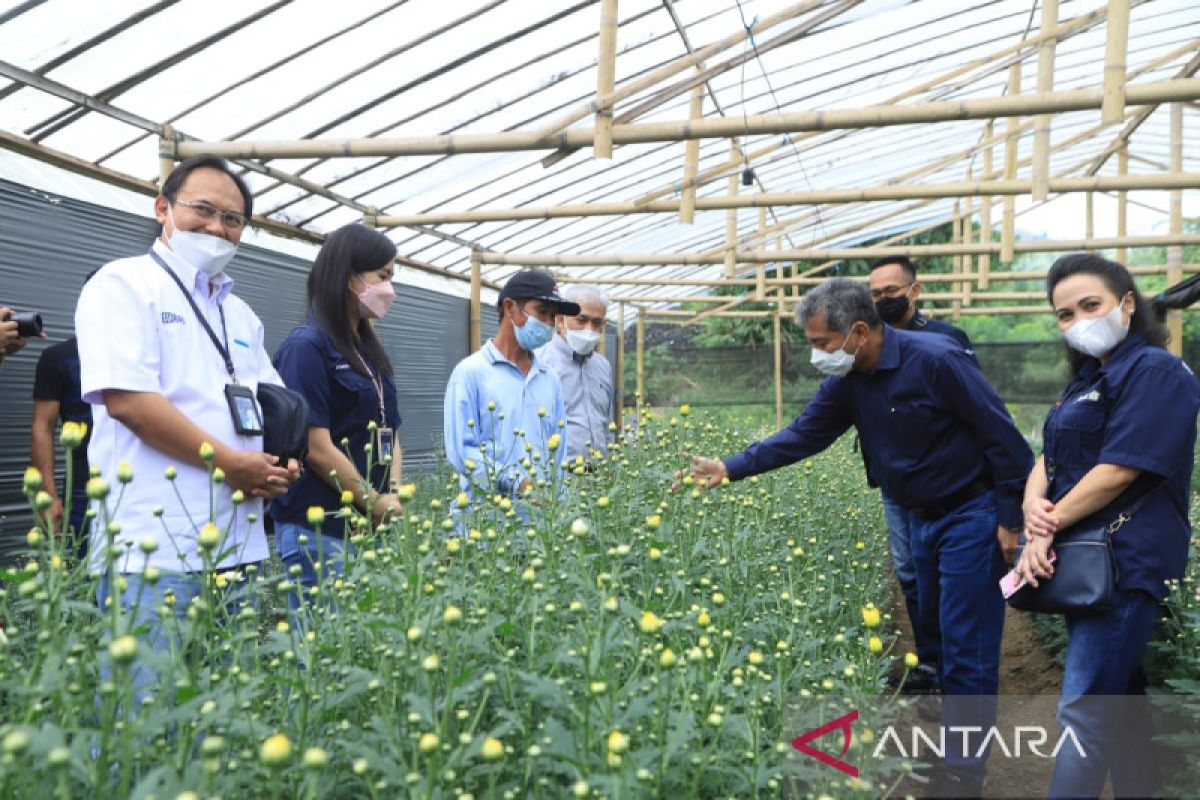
<point x="49" y="243"/>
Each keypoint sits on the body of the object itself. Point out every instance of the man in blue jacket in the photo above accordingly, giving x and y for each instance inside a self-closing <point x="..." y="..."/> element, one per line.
<point x="942" y="445"/>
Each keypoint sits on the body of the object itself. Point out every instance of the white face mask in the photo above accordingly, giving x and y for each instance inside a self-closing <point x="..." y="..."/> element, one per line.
<point x="583" y="342"/>
<point x="207" y="253"/>
<point x="838" y="363"/>
<point x="1098" y="336"/>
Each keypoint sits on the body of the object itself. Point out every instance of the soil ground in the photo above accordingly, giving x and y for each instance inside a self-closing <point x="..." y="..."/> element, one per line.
<point x="1025" y="669"/>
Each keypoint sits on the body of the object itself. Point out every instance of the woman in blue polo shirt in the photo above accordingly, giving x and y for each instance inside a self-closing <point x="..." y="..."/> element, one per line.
<point x="337" y="362"/>
<point x="1125" y="428"/>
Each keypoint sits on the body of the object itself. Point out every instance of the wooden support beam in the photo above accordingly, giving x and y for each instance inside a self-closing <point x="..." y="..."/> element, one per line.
<point x="956" y="227"/>
<point x="984" y="264"/>
<point x="1089" y="216"/>
<point x="1009" y="221"/>
<point x="691" y="160"/>
<point x="1116" y="47"/>
<point x="777" y="340"/>
<point x="641" y="359"/>
<point x="753" y="257"/>
<point x="760" y="283"/>
<point x="620" y="366"/>
<point x="606" y="74"/>
<point x="476" y="324"/>
<point x="732" y="200"/>
<point x="1122" y="200"/>
<point x="1175" y="251"/>
<point x="731" y="219"/>
<point x="1045" y="85"/>
<point x="166" y="162"/>
<point x="712" y="128"/>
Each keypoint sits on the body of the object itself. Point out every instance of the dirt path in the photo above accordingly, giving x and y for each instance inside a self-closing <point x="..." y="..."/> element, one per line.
<point x="1025" y="669"/>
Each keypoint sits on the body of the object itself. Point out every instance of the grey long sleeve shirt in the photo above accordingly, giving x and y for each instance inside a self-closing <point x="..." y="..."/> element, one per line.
<point x="587" y="383"/>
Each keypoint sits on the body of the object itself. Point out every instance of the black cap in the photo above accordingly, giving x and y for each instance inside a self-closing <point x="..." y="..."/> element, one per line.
<point x="534" y="284"/>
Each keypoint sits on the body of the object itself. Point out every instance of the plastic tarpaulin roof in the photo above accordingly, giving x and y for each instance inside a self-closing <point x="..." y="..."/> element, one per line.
<point x="98" y="80"/>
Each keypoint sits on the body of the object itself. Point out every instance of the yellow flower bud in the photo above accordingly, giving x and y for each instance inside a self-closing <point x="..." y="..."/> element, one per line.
<point x="315" y="516"/>
<point x="429" y="742"/>
<point x="911" y="660"/>
<point x="875" y="644"/>
<point x="210" y="536"/>
<point x="33" y="479"/>
<point x="97" y="488"/>
<point x="124" y="472"/>
<point x="452" y="614"/>
<point x="276" y="750"/>
<point x="667" y="658"/>
<point x="617" y="742"/>
<point x="870" y="615"/>
<point x="492" y="748"/>
<point x="207" y="454"/>
<point x="650" y="622"/>
<point x="123" y="649"/>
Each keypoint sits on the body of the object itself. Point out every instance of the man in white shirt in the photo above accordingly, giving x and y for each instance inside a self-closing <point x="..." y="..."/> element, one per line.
<point x="586" y="376"/>
<point x="169" y="358"/>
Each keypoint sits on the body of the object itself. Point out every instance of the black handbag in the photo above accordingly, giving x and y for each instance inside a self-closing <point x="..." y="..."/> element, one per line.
<point x="285" y="422"/>
<point x="1085" y="569"/>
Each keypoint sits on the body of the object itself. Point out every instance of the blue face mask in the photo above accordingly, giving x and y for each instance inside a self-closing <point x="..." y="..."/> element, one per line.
<point x="533" y="334"/>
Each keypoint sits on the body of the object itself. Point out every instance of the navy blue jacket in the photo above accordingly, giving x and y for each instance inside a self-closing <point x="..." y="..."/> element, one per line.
<point x="930" y="420"/>
<point x="1136" y="410"/>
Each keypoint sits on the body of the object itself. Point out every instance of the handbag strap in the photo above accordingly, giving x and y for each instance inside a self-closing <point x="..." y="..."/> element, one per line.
<point x="1127" y="514"/>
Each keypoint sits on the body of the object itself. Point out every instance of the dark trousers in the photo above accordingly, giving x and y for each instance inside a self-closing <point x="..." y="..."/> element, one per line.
<point x="959" y="566"/>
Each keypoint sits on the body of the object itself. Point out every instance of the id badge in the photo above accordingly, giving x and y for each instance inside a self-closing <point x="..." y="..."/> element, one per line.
<point x="385" y="444"/>
<point x="247" y="420"/>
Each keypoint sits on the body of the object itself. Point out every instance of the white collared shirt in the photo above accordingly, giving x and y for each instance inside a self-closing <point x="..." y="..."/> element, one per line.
<point x="137" y="332"/>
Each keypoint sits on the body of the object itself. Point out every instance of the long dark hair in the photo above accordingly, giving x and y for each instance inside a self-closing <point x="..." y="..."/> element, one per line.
<point x="348" y="251"/>
<point x="1119" y="282"/>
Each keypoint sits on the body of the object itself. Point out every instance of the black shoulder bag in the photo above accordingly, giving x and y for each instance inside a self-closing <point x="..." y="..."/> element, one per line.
<point x="1085" y="570"/>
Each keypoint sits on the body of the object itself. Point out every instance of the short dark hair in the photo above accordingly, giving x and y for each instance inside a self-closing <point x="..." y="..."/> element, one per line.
<point x="842" y="302"/>
<point x="348" y="251"/>
<point x="1118" y="281"/>
<point x="906" y="264"/>
<point x="174" y="181"/>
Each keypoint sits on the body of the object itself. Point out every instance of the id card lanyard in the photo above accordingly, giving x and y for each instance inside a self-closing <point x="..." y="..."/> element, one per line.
<point x="243" y="409"/>
<point x="385" y="436"/>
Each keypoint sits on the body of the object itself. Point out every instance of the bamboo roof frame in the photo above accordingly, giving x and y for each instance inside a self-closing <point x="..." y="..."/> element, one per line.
<point x="441" y="242"/>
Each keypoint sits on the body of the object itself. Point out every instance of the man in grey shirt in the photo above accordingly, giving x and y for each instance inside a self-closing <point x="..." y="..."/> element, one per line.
<point x="586" y="376"/>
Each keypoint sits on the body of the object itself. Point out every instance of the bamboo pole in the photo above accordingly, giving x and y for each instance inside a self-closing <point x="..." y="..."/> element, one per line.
<point x="1074" y="26"/>
<point x="1175" y="251"/>
<point x="554" y="128"/>
<point x="621" y="366"/>
<point x="1045" y="85"/>
<point x="166" y="161"/>
<point x="476" y="325"/>
<point x="760" y="283"/>
<point x="641" y="357"/>
<point x="709" y="128"/>
<point x="1009" y="220"/>
<point x="1089" y="216"/>
<point x="731" y="220"/>
<point x="732" y="200"/>
<point x="1122" y="200"/>
<point x="1115" y="50"/>
<point x="967" y="237"/>
<point x="691" y="160"/>
<point x="753" y="257"/>
<point x="778" y="342"/>
<point x="606" y="74"/>
<point x="956" y="262"/>
<point x="984" y="264"/>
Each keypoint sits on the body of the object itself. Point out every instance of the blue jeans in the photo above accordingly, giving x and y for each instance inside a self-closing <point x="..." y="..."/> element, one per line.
<point x="1104" y="662"/>
<point x="899" y="524"/>
<point x="959" y="566"/>
<point x="322" y="559"/>
<point x="164" y="637"/>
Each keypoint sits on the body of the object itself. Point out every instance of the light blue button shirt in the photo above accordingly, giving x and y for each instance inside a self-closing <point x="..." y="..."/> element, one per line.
<point x="493" y="442"/>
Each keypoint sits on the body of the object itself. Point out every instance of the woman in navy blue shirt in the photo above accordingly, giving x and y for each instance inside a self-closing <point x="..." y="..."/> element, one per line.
<point x="337" y="362"/>
<point x="1124" y="428"/>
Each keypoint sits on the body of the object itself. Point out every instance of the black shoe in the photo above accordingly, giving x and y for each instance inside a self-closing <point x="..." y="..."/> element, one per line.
<point x="922" y="679"/>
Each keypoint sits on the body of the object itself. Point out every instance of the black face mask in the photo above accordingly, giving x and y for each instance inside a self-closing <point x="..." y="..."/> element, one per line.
<point x="892" y="309"/>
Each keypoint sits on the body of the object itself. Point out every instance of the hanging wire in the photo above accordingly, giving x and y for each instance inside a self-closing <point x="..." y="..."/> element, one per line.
<point x="749" y="26"/>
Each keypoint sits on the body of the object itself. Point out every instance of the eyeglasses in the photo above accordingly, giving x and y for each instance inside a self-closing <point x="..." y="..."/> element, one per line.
<point x="208" y="212"/>
<point x="890" y="291"/>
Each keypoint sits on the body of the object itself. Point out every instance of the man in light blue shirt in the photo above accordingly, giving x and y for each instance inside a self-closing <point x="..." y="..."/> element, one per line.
<point x="587" y="377"/>
<point x="505" y="419"/>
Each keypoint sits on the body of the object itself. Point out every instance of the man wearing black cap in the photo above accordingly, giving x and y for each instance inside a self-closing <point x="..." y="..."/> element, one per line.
<point x="501" y="398"/>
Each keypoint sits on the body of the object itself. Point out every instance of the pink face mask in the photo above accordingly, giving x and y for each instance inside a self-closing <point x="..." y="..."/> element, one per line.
<point x="375" y="300"/>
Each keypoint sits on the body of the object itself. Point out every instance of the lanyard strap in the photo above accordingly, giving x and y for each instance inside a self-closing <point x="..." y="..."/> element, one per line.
<point x="222" y="349"/>
<point x="377" y="382"/>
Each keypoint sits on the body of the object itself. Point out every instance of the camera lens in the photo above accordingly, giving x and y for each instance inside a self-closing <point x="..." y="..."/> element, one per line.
<point x="29" y="323"/>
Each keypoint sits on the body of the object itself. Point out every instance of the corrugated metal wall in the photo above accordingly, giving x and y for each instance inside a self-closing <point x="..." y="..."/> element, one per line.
<point x="49" y="243"/>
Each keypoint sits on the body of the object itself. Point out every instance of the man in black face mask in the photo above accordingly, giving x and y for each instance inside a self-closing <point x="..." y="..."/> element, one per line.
<point x="895" y="289"/>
